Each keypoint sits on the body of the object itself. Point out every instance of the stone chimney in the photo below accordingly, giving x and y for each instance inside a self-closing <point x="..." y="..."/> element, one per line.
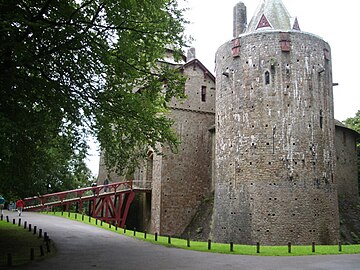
<point x="240" y="19"/>
<point x="191" y="54"/>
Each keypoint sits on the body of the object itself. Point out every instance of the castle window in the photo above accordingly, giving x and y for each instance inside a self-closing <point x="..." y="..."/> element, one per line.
<point x="321" y="119"/>
<point x="267" y="77"/>
<point x="203" y="93"/>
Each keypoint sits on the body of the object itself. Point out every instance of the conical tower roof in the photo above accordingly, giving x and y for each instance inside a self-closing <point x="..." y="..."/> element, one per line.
<point x="271" y="15"/>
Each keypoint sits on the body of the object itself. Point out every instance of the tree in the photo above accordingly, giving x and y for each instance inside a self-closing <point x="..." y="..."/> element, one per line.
<point x="354" y="123"/>
<point x="69" y="70"/>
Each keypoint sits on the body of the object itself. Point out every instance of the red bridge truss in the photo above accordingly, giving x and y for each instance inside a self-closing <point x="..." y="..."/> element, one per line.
<point x="109" y="203"/>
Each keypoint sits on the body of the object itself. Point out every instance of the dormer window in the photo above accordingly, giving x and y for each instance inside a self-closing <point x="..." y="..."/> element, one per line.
<point x="263" y="23"/>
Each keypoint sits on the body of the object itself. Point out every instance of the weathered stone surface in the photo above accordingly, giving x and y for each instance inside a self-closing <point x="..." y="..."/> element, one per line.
<point x="346" y="162"/>
<point x="275" y="141"/>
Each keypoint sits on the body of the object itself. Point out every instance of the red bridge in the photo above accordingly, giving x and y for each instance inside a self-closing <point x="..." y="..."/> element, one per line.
<point x="109" y="203"/>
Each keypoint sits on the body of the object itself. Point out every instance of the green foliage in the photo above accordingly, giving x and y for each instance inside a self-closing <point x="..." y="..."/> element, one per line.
<point x="69" y="70"/>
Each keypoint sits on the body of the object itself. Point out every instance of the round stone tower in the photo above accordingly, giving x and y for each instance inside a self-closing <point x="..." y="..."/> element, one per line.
<point x="274" y="164"/>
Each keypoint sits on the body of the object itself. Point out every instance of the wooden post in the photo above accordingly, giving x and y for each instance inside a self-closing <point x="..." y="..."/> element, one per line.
<point x="257" y="247"/>
<point x="32" y="254"/>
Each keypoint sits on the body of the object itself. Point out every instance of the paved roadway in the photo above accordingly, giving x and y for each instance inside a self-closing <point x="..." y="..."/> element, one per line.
<point x="81" y="246"/>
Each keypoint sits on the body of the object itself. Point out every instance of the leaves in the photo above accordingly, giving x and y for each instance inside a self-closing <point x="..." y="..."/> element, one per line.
<point x="71" y="69"/>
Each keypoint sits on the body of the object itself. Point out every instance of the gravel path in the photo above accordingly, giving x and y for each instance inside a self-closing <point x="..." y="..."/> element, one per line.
<point x="81" y="246"/>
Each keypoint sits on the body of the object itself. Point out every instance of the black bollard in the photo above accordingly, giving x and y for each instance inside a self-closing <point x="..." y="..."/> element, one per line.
<point x="96" y="221"/>
<point x="116" y="227"/>
<point x="169" y="239"/>
<point x="47" y="247"/>
<point x="42" y="254"/>
<point x="62" y="213"/>
<point x="32" y="254"/>
<point x="231" y="246"/>
<point x="9" y="259"/>
<point x="109" y="225"/>
<point x="257" y="247"/>
<point x="125" y="229"/>
<point x="40" y="233"/>
<point x="14" y="221"/>
<point x="313" y="246"/>
<point x="145" y="234"/>
<point x="2" y="217"/>
<point x="340" y="247"/>
<point x="188" y="242"/>
<point x="69" y="214"/>
<point x="134" y="231"/>
<point x="34" y="229"/>
<point x="156" y="236"/>
<point x="289" y="247"/>
<point x="19" y="222"/>
<point x="25" y="224"/>
<point x="101" y="223"/>
<point x="7" y="219"/>
<point x="209" y="244"/>
<point x="29" y="227"/>
<point x="89" y="219"/>
<point x="75" y="215"/>
<point x="82" y="217"/>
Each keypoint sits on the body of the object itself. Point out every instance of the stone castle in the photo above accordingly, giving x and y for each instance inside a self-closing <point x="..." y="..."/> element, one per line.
<point x="261" y="136"/>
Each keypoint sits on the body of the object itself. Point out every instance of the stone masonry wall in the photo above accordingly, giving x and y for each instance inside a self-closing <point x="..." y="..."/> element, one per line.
<point x="186" y="175"/>
<point x="275" y="141"/>
<point x="346" y="163"/>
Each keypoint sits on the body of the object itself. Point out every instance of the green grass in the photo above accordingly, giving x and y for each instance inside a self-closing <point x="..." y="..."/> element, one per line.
<point x="222" y="248"/>
<point x="18" y="241"/>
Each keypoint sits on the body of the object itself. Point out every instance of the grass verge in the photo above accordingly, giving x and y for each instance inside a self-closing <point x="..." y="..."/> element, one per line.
<point x="18" y="242"/>
<point x="218" y="247"/>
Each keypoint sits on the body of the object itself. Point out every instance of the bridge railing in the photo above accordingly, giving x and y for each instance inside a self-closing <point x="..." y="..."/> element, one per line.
<point x="76" y="193"/>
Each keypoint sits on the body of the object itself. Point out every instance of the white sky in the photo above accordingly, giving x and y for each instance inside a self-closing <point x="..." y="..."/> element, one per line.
<point x="335" y="21"/>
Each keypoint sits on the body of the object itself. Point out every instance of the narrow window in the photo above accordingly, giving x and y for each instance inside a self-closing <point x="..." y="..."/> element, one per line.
<point x="203" y="93"/>
<point x="321" y="119"/>
<point x="267" y="77"/>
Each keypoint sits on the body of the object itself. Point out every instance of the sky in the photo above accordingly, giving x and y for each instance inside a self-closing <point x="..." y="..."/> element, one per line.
<point x="335" y="21"/>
